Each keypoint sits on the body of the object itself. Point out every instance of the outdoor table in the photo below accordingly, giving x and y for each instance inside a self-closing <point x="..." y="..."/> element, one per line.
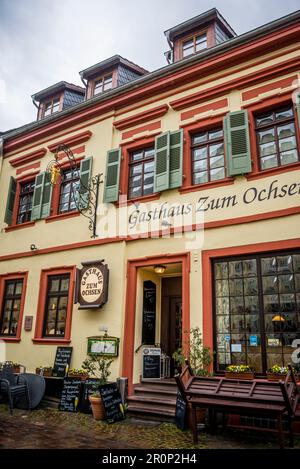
<point x="36" y="386"/>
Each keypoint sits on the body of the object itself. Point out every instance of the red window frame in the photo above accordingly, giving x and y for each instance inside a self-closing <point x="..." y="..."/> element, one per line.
<point x="265" y="106"/>
<point x="127" y="149"/>
<point x="42" y="108"/>
<point x="142" y="162"/>
<point x="14" y="276"/>
<point x="189" y="130"/>
<point x="41" y="308"/>
<point x="14" y="225"/>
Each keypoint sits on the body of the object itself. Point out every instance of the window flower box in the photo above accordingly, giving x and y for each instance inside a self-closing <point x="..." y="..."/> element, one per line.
<point x="78" y="373"/>
<point x="239" y="372"/>
<point x="44" y="371"/>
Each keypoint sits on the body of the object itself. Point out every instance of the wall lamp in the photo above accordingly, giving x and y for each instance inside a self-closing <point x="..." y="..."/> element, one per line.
<point x="33" y="247"/>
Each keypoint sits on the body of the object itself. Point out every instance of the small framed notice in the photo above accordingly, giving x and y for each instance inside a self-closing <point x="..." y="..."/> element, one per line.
<point x="236" y="347"/>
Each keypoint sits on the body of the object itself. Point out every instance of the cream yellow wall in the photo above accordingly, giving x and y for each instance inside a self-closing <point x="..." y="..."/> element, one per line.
<point x="44" y="235"/>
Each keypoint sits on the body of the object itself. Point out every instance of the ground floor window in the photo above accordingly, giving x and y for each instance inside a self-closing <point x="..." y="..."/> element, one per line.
<point x="56" y="305"/>
<point x="257" y="309"/>
<point x="11" y="307"/>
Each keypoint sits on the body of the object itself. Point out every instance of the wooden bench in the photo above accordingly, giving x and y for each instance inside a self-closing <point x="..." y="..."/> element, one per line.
<point x="256" y="397"/>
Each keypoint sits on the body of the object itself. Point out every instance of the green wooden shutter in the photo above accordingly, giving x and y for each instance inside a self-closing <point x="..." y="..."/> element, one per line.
<point x="46" y="198"/>
<point x="10" y="200"/>
<point x="176" y="152"/>
<point x="162" y="162"/>
<point x="85" y="176"/>
<point x="112" y="176"/>
<point x="236" y="133"/>
<point x="37" y="197"/>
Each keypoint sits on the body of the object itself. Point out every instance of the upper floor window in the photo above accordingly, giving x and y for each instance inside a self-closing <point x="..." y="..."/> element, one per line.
<point x="68" y="188"/>
<point x="25" y="202"/>
<point x="276" y="138"/>
<point x="56" y="305"/>
<point x="194" y="44"/>
<point x="51" y="106"/>
<point x="141" y="173"/>
<point x="11" y="307"/>
<point x="208" y="162"/>
<point x="103" y="84"/>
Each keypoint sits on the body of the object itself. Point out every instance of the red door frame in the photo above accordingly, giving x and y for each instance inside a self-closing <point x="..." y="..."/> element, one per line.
<point x="207" y="287"/>
<point x="130" y="305"/>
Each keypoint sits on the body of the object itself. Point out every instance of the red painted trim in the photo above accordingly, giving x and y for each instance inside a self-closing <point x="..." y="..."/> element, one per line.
<point x="206" y="107"/>
<point x="14" y="225"/>
<point x="61" y="216"/>
<point x="28" y="167"/>
<point x="209" y="255"/>
<point x="15" y="276"/>
<point x="208" y="185"/>
<point x="55" y="215"/>
<point x="251" y="78"/>
<point x="38" y="335"/>
<point x="127" y="148"/>
<point x="144" y="128"/>
<point x="145" y="116"/>
<point x="35" y="155"/>
<point x="188" y="130"/>
<point x="130" y="305"/>
<point x="266" y="105"/>
<point x="51" y="341"/>
<point x="269" y="42"/>
<point x="20" y="226"/>
<point x="27" y="177"/>
<point x="207" y="226"/>
<point x="73" y="140"/>
<point x="140" y="200"/>
<point x="254" y="93"/>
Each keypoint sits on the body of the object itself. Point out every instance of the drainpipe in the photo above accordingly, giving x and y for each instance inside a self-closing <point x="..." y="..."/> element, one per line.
<point x="171" y="47"/>
<point x="85" y="85"/>
<point x="37" y="106"/>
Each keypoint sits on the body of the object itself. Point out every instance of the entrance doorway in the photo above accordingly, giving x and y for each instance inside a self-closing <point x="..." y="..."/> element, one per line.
<point x="171" y="318"/>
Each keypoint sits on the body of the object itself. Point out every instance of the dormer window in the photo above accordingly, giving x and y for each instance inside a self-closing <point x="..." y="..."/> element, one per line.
<point x="194" y="44"/>
<point x="51" y="106"/>
<point x="103" y="84"/>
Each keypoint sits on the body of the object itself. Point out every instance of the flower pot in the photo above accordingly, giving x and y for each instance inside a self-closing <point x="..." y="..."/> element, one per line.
<point x="82" y="376"/>
<point x="42" y="372"/>
<point x="277" y="376"/>
<point x="233" y="375"/>
<point x="97" y="408"/>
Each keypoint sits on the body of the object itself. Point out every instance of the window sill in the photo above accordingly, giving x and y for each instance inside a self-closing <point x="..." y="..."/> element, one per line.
<point x="145" y="198"/>
<point x="20" y="226"/>
<point x="61" y="216"/>
<point x="207" y="185"/>
<point x="10" y="339"/>
<point x="269" y="172"/>
<point x="54" y="341"/>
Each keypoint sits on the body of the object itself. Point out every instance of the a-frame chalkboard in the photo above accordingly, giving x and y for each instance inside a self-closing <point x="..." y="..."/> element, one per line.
<point x="112" y="401"/>
<point x="62" y="361"/>
<point x="71" y="395"/>
<point x="181" y="412"/>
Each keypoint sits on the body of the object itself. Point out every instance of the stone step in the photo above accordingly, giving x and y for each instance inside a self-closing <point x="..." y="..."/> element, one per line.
<point x="152" y="389"/>
<point x="152" y="400"/>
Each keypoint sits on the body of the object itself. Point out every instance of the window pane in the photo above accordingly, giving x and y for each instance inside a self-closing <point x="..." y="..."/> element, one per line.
<point x="266" y="136"/>
<point x="222" y="288"/>
<point x="64" y="284"/>
<point x="136" y="169"/>
<point x="289" y="157"/>
<point x="285" y="264"/>
<point x="265" y="119"/>
<point x="236" y="305"/>
<point x="200" y="138"/>
<point x="269" y="265"/>
<point x="136" y="181"/>
<point x="269" y="162"/>
<point x="236" y="287"/>
<point x="284" y="113"/>
<point x="287" y="130"/>
<point x="251" y="304"/>
<point x="223" y="324"/>
<point x="221" y="270"/>
<point x="216" y="161"/>
<point x="270" y="285"/>
<point x="54" y="285"/>
<point x="222" y="305"/>
<point x="200" y="178"/>
<point x="149" y="167"/>
<point x="213" y="134"/>
<point x="216" y="174"/>
<point x="200" y="153"/>
<point x="286" y="283"/>
<point x="287" y="143"/>
<point x="216" y="149"/>
<point x="250" y="286"/>
<point x="200" y="165"/>
<point x="267" y="149"/>
<point x="235" y="269"/>
<point x="135" y="192"/>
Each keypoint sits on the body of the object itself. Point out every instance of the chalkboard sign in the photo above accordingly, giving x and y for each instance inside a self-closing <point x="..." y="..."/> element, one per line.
<point x="151" y="363"/>
<point x="112" y="402"/>
<point x="149" y="313"/>
<point x="71" y="394"/>
<point x="62" y="360"/>
<point x="181" y="412"/>
<point x="90" y="386"/>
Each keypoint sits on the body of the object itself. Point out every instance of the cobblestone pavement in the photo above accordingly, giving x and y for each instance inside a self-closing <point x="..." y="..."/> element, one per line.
<point x="50" y="428"/>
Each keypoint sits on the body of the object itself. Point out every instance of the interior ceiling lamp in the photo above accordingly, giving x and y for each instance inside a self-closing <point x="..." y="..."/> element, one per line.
<point x="159" y="269"/>
<point x="86" y="194"/>
<point x="278" y="318"/>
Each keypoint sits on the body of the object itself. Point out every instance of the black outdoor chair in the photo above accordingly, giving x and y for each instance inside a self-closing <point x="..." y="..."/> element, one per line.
<point x="14" y="387"/>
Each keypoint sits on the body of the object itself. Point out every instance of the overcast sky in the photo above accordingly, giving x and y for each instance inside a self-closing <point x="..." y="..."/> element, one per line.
<point x="46" y="41"/>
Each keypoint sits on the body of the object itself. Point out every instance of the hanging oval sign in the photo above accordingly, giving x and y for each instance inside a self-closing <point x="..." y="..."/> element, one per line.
<point x="92" y="285"/>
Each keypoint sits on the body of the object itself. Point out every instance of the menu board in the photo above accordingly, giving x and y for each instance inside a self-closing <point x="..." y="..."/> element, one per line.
<point x="90" y="386"/>
<point x="111" y="398"/>
<point x="181" y="412"/>
<point x="62" y="361"/>
<point x="71" y="394"/>
<point x="151" y="363"/>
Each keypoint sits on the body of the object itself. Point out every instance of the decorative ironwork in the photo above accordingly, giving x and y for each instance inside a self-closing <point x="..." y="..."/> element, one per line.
<point x="87" y="195"/>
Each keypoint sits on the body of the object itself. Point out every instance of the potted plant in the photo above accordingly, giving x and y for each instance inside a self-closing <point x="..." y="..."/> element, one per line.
<point x="277" y="372"/>
<point x="97" y="367"/>
<point x="16" y="367"/>
<point x="239" y="372"/>
<point x="44" y="371"/>
<point x="78" y="373"/>
<point x="200" y="358"/>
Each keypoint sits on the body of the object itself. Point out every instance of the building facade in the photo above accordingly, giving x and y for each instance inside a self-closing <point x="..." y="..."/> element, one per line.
<point x="198" y="216"/>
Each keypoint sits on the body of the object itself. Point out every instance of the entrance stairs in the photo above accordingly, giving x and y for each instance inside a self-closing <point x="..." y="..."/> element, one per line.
<point x="154" y="399"/>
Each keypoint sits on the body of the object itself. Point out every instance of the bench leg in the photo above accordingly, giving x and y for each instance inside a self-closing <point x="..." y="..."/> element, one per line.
<point x="291" y="433"/>
<point x="194" y="425"/>
<point x="280" y="432"/>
